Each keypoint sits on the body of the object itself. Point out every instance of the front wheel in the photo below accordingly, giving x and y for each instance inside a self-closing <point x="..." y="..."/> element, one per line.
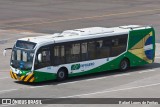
<point x="61" y="75"/>
<point x="124" y="65"/>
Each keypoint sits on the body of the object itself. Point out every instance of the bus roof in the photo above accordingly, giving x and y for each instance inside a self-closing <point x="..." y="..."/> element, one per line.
<point x="84" y="33"/>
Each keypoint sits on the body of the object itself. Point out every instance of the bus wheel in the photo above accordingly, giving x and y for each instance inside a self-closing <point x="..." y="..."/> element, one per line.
<point x="61" y="74"/>
<point x="124" y="65"/>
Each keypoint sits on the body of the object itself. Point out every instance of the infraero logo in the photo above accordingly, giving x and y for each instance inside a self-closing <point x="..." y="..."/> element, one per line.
<point x="75" y="67"/>
<point x="85" y="65"/>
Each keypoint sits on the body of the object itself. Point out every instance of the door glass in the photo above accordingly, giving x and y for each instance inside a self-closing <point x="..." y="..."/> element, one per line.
<point x="46" y="57"/>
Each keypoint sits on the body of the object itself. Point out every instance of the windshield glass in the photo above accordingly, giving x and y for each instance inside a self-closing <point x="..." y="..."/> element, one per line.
<point x="25" y="44"/>
<point x="22" y="59"/>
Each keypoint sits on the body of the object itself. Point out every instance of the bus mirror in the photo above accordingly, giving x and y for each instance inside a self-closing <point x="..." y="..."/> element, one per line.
<point x="4" y="53"/>
<point x="40" y="57"/>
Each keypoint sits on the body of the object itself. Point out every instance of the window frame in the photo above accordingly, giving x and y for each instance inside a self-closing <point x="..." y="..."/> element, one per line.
<point x="40" y="65"/>
<point x="87" y="41"/>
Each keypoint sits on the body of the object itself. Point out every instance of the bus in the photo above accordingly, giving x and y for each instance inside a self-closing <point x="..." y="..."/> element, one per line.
<point x="81" y="51"/>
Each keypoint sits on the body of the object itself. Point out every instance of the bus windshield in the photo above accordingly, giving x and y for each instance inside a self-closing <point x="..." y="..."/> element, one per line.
<point x="25" y="44"/>
<point x="22" y="59"/>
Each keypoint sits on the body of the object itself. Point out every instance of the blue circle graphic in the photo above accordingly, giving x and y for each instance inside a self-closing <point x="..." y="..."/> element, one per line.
<point x="149" y="53"/>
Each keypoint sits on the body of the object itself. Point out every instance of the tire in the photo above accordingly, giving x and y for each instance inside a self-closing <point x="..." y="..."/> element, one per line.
<point x="61" y="75"/>
<point x="124" y="65"/>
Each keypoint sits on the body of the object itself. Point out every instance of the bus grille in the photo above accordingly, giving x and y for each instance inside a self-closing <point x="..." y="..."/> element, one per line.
<point x="27" y="78"/>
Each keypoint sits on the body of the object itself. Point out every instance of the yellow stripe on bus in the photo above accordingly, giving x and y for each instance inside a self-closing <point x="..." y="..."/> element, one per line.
<point x="21" y="78"/>
<point x="32" y="80"/>
<point x="28" y="77"/>
<point x="15" y="75"/>
<point x="11" y="74"/>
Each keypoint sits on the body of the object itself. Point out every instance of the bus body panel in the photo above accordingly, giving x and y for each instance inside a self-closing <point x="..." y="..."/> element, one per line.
<point x="141" y="47"/>
<point x="140" y="50"/>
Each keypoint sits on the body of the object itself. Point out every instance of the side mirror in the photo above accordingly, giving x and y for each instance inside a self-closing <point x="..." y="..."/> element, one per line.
<point x="40" y="57"/>
<point x="4" y="53"/>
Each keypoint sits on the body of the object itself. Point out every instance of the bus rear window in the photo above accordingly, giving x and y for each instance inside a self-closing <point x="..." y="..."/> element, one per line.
<point x="25" y="44"/>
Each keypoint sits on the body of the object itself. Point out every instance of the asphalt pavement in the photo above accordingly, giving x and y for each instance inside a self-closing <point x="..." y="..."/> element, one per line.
<point x="25" y="18"/>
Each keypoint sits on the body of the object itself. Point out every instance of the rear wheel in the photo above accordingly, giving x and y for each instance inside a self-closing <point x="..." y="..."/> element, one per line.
<point x="124" y="65"/>
<point x="61" y="74"/>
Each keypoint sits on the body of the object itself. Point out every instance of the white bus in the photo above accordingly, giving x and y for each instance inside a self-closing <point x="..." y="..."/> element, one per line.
<point x="81" y="51"/>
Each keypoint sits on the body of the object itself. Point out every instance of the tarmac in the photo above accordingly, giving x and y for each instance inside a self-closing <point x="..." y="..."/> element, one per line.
<point x="25" y="18"/>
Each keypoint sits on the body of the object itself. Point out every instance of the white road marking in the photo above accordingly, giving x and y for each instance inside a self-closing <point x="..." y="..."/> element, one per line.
<point x="4" y="70"/>
<point x="109" y="91"/>
<point x="80" y="18"/>
<point x="5" y="105"/>
<point x="119" y="75"/>
<point x="8" y="105"/>
<point x="83" y="80"/>
<point x="127" y="74"/>
<point x="4" y="78"/>
<point x="7" y="90"/>
<point x="145" y="71"/>
<point x="2" y="91"/>
<point x="92" y="79"/>
<point x="38" y="86"/>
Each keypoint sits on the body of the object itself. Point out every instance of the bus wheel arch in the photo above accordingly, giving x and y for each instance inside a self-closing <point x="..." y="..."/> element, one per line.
<point x="62" y="74"/>
<point x="124" y="64"/>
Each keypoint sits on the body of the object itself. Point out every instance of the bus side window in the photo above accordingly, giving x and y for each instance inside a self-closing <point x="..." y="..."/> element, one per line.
<point x="103" y="48"/>
<point x="59" y="57"/>
<point x="72" y="52"/>
<point x="76" y="52"/>
<point x="46" y="56"/>
<point x="84" y="53"/>
<point x="115" y="47"/>
<point x="106" y="48"/>
<point x="119" y="45"/>
<point x="91" y="50"/>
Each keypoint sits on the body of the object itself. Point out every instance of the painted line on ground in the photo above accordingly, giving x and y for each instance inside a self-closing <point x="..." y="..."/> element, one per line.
<point x="15" y="89"/>
<point x="4" y="70"/>
<point x="93" y="79"/>
<point x="83" y="80"/>
<point x="98" y="78"/>
<point x="5" y="105"/>
<point x="119" y="75"/>
<point x="89" y="17"/>
<point x="145" y="71"/>
<point x="2" y="91"/>
<point x="38" y="86"/>
<point x="109" y="91"/>
<point x="4" y="78"/>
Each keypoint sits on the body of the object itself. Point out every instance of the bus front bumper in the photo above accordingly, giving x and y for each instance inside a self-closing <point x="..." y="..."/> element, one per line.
<point x="26" y="78"/>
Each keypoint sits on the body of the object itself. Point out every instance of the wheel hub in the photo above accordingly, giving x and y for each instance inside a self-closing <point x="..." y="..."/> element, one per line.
<point x="61" y="74"/>
<point x="124" y="65"/>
